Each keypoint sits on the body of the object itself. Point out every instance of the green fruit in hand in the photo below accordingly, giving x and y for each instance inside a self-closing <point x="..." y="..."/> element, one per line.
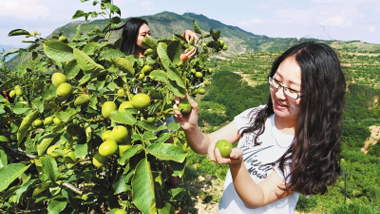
<point x="198" y="74"/>
<point x="58" y="78"/>
<point x="48" y="120"/>
<point x="64" y="90"/>
<point x="184" y="106"/>
<point x="108" y="148"/>
<point x="191" y="41"/>
<point x="120" y="212"/>
<point x="19" y="92"/>
<point x="201" y="91"/>
<point x="120" y="134"/>
<point x="82" y="99"/>
<point x="225" y="147"/>
<point x="107" y="108"/>
<point x="56" y="121"/>
<point x="123" y="148"/>
<point x="50" y="151"/>
<point x="98" y="160"/>
<point x="124" y="105"/>
<point x="12" y="93"/>
<point x="146" y="69"/>
<point x="107" y="135"/>
<point x="37" y="123"/>
<point x="140" y="101"/>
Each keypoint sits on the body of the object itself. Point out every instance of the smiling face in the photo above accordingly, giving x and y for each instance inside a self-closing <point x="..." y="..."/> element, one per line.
<point x="287" y="74"/>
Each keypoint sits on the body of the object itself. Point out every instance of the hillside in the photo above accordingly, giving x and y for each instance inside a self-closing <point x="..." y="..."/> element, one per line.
<point x="165" y="24"/>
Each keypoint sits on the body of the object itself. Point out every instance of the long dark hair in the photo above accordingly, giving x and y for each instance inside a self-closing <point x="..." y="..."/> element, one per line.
<point x="130" y="32"/>
<point x="315" y="152"/>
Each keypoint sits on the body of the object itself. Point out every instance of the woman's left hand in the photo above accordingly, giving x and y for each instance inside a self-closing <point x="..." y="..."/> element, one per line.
<point x="188" y="54"/>
<point x="236" y="155"/>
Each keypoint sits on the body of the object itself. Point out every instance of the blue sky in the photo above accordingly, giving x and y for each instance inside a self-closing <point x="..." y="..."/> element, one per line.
<point x="321" y="19"/>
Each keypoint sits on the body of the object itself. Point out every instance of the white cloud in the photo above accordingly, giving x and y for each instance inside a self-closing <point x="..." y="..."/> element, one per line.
<point x="336" y="21"/>
<point x="371" y="29"/>
<point x="24" y="9"/>
<point x="250" y="22"/>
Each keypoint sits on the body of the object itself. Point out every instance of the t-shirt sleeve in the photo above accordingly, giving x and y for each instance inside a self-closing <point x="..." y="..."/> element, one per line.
<point x="243" y="119"/>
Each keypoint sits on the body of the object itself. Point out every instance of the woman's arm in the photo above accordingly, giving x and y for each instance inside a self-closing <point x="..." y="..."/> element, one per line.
<point x="253" y="194"/>
<point x="197" y="140"/>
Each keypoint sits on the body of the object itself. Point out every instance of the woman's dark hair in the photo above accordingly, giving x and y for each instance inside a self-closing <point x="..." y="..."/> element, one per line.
<point x="130" y="32"/>
<point x="315" y="152"/>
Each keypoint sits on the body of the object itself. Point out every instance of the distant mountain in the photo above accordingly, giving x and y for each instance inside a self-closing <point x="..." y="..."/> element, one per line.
<point x="164" y="24"/>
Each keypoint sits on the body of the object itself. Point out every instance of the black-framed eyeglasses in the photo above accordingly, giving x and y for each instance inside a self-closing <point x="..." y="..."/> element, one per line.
<point x="292" y="94"/>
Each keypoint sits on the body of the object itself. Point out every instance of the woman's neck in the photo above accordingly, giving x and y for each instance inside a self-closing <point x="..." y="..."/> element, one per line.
<point x="286" y="125"/>
<point x="139" y="52"/>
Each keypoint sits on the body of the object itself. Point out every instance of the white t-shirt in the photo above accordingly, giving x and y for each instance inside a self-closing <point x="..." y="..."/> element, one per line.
<point x="258" y="161"/>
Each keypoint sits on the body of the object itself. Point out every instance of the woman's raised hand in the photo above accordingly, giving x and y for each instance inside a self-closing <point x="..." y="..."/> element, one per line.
<point x="189" y="120"/>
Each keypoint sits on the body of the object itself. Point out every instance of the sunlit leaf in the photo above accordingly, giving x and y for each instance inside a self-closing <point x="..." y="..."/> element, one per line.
<point x="18" y="32"/>
<point x="167" y="151"/>
<point x="58" y="51"/>
<point x="9" y="173"/>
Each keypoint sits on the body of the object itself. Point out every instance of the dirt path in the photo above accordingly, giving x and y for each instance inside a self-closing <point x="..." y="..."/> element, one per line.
<point x="375" y="136"/>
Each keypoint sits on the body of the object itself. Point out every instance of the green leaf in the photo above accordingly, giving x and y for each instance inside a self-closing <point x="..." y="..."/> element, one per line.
<point x="131" y="151"/>
<point x="25" y="124"/>
<point x="178" y="91"/>
<point x="71" y="69"/>
<point x="50" y="168"/>
<point x="49" y="93"/>
<point x="113" y="8"/>
<point x="111" y="54"/>
<point x="39" y="104"/>
<point x="159" y="75"/>
<point x="123" y="118"/>
<point x="40" y="188"/>
<point x="90" y="48"/>
<point x="80" y="13"/>
<point x="6" y="85"/>
<point x="174" y="126"/>
<point x="3" y="159"/>
<point x="18" y="32"/>
<point x="162" y="53"/>
<point x="167" y="209"/>
<point x="143" y="188"/>
<point x="149" y="136"/>
<point x="81" y="150"/>
<point x="20" y="110"/>
<point x="85" y="62"/>
<point x="120" y="185"/>
<point x="146" y="125"/>
<point x="174" y="75"/>
<point x="44" y="143"/>
<point x="24" y="188"/>
<point x="9" y="173"/>
<point x="164" y="137"/>
<point x="148" y="42"/>
<point x="58" y="51"/>
<point x="57" y="205"/>
<point x="174" y="51"/>
<point x="10" y="51"/>
<point x="166" y="152"/>
<point x="197" y="29"/>
<point x="124" y="65"/>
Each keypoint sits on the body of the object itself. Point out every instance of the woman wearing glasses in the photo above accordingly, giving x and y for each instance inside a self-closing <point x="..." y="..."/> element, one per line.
<point x="287" y="147"/>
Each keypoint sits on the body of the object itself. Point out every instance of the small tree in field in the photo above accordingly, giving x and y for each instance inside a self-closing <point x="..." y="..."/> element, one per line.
<point x="83" y="127"/>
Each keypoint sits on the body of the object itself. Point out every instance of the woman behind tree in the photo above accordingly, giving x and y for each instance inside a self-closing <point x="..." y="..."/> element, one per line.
<point x="136" y="29"/>
<point x="289" y="146"/>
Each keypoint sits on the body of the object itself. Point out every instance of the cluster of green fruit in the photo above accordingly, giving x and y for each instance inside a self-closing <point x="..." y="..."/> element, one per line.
<point x="46" y="121"/>
<point x="17" y="91"/>
<point x="113" y="140"/>
<point x="64" y="89"/>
